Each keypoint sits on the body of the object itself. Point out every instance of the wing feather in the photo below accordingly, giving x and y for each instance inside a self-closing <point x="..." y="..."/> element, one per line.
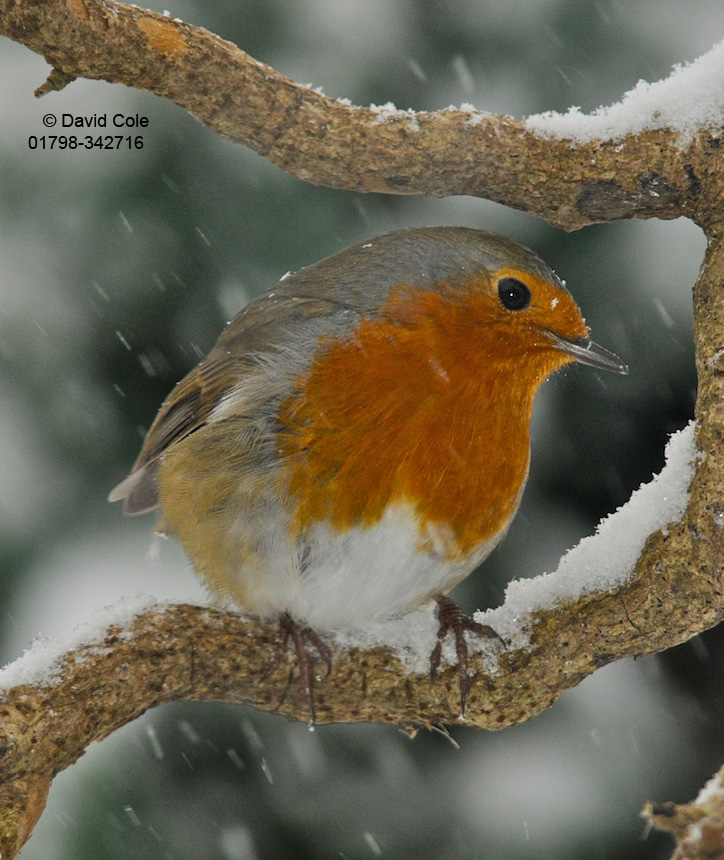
<point x="260" y="331"/>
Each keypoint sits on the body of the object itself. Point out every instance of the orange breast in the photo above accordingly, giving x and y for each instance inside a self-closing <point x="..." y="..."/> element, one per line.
<point x="425" y="406"/>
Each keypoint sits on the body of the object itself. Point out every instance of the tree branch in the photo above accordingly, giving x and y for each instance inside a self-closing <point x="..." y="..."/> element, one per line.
<point x="185" y="652"/>
<point x="334" y="143"/>
<point x="697" y="827"/>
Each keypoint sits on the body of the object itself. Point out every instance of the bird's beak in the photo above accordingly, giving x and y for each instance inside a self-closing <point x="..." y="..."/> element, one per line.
<point x="588" y="352"/>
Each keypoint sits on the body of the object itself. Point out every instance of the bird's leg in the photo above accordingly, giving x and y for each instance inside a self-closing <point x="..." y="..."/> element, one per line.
<point x="452" y="617"/>
<point x="300" y="635"/>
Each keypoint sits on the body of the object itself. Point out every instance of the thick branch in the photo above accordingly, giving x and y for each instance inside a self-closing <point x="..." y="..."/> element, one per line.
<point x="328" y="142"/>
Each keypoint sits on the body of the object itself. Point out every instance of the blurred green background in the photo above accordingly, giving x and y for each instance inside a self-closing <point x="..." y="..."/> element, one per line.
<point x="117" y="272"/>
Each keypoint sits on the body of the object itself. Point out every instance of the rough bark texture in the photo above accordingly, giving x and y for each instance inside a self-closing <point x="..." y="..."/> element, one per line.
<point x="186" y="652"/>
<point x="324" y="141"/>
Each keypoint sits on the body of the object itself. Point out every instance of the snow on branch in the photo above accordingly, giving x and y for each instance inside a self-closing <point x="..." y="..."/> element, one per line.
<point x="531" y="166"/>
<point x="688" y="102"/>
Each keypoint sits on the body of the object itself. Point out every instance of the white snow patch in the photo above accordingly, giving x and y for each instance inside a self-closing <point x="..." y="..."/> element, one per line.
<point x="318" y="90"/>
<point x="605" y="560"/>
<point x="41" y="663"/>
<point x="690" y="99"/>
<point x="410" y="637"/>
<point x="388" y="111"/>
<point x="713" y="788"/>
<point x="475" y="116"/>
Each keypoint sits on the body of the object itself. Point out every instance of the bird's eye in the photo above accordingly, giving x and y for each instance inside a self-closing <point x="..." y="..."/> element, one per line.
<point x="514" y="294"/>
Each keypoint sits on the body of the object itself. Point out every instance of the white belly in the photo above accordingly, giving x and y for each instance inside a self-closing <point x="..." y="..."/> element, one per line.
<point x="363" y="575"/>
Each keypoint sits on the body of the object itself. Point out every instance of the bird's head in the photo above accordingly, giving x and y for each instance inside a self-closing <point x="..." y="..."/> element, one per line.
<point x="501" y="302"/>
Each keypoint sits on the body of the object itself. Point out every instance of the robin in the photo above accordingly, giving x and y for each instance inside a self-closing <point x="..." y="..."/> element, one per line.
<point x="358" y="439"/>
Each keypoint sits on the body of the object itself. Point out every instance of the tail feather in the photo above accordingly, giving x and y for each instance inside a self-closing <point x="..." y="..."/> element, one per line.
<point x="139" y="491"/>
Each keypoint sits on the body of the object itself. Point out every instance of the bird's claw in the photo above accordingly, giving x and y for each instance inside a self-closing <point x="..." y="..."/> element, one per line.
<point x="452" y="618"/>
<point x="300" y="635"/>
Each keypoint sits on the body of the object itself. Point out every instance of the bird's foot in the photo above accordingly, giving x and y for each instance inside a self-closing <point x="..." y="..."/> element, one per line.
<point x="301" y="635"/>
<point x="452" y="618"/>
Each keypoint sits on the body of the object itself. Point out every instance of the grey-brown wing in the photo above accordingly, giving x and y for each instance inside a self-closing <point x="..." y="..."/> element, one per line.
<point x="263" y="328"/>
